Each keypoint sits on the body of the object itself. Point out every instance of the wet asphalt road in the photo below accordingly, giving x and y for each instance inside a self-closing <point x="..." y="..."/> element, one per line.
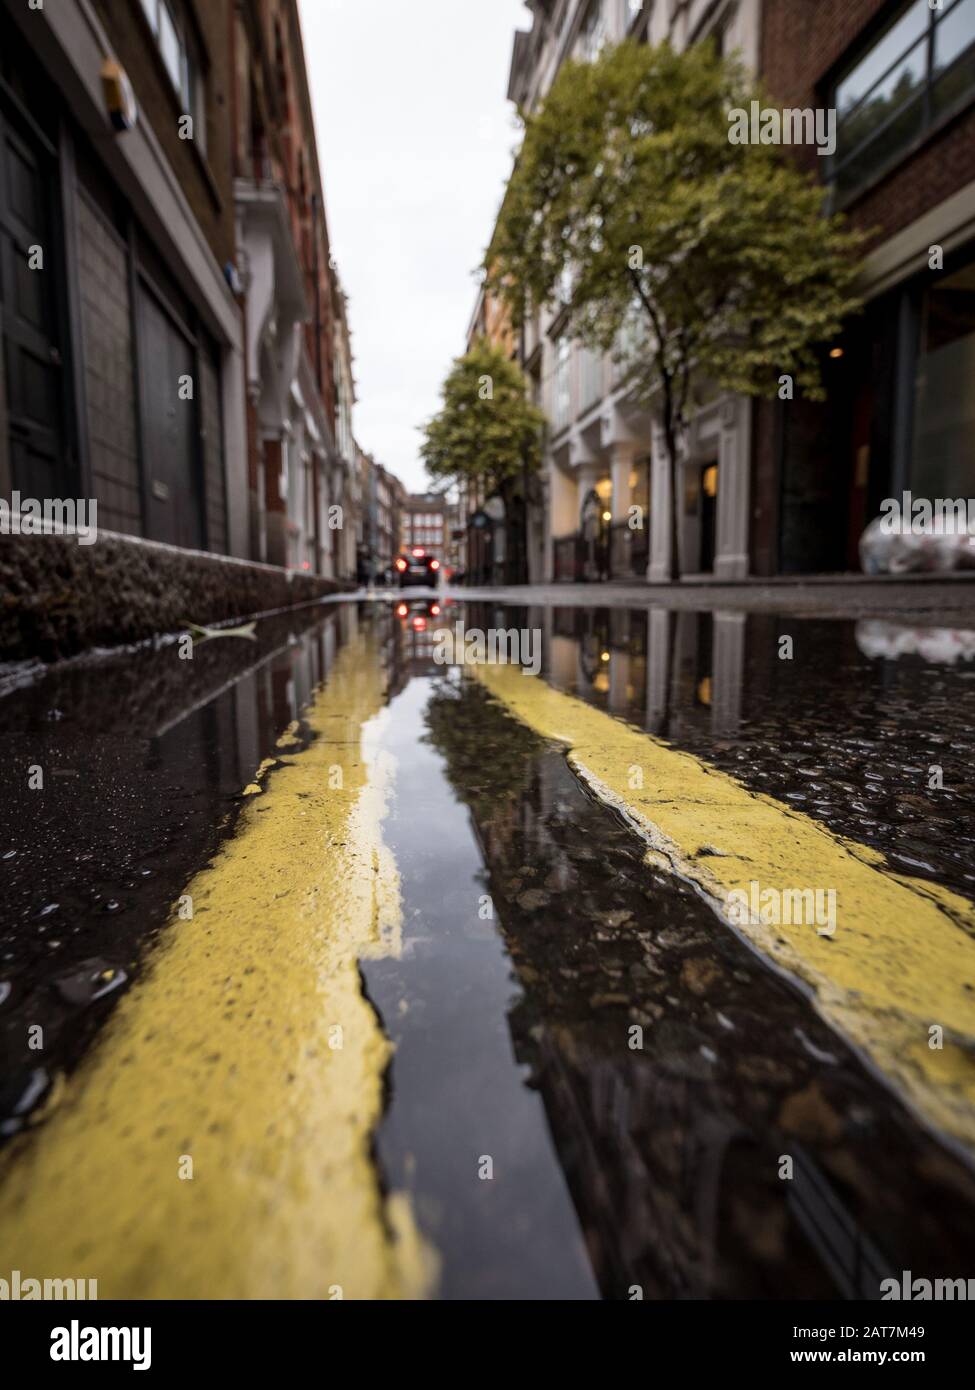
<point x="535" y="937"/>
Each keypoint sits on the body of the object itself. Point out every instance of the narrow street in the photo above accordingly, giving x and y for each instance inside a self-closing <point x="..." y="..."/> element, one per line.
<point x="487" y="678"/>
<point x="423" y="981"/>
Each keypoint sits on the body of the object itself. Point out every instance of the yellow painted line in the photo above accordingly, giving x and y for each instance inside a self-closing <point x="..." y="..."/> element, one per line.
<point x="226" y="1053"/>
<point x="902" y="958"/>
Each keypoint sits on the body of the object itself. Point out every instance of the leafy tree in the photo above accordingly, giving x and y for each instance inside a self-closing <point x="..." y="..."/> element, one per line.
<point x="487" y="430"/>
<point x="685" y="254"/>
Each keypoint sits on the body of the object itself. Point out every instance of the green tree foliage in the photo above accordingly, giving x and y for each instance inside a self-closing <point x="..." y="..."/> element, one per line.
<point x="487" y="429"/>
<point x="679" y="252"/>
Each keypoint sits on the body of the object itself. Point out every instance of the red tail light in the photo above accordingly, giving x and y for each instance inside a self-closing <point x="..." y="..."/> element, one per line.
<point x="435" y="610"/>
<point x="402" y="611"/>
<point x="418" y="553"/>
<point x="401" y="565"/>
<point x="434" y="564"/>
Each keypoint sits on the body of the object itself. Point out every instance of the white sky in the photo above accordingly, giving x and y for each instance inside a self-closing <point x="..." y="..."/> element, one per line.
<point x="415" y="138"/>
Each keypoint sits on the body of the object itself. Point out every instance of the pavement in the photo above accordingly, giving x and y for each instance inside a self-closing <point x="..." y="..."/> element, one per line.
<point x="951" y="598"/>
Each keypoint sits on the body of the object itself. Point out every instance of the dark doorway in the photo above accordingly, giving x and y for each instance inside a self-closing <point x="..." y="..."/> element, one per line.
<point x="709" y="516"/>
<point x="30" y="303"/>
<point x="174" y="502"/>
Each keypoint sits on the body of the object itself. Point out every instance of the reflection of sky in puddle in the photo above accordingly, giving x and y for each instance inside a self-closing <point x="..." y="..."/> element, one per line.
<point x="944" y="645"/>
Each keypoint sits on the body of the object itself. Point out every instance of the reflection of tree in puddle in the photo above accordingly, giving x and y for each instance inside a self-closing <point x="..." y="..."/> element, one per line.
<point x="672" y="1151"/>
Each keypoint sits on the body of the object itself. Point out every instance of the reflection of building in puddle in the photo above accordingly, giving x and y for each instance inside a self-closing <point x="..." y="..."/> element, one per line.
<point x="600" y="655"/>
<point x="699" y="661"/>
<point x="695" y="671"/>
<point x="855" y="1264"/>
<point x="672" y="672"/>
<point x="672" y="1170"/>
<point x="236" y="734"/>
<point x="943" y="645"/>
<point x="414" y="638"/>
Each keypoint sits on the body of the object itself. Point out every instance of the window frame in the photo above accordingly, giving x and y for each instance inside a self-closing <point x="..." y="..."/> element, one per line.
<point x="929" y="120"/>
<point x="190" y="89"/>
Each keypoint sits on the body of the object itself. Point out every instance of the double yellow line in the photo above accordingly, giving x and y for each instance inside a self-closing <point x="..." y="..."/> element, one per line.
<point x="246" y="1056"/>
<point x="216" y="1142"/>
<point x="901" y="962"/>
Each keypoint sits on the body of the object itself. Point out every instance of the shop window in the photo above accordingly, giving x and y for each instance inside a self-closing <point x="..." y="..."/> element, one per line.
<point x="944" y="401"/>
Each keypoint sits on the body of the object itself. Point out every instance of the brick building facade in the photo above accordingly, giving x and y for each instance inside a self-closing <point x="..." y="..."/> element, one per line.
<point x="171" y="353"/>
<point x="902" y="383"/>
<point x="301" y="455"/>
<point x="786" y="487"/>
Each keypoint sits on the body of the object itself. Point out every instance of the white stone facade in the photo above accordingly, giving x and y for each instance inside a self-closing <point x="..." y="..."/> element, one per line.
<point x="600" y="441"/>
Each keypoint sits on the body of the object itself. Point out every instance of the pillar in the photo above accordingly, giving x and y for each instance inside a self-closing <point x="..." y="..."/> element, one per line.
<point x="622" y="462"/>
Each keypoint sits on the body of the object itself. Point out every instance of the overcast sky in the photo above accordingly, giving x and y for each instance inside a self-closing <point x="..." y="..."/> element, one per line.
<point x="415" y="138"/>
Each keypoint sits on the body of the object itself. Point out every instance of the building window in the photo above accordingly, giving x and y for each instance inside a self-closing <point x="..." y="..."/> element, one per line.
<point x="177" y="55"/>
<point x="563" y="363"/>
<point x="593" y="34"/>
<point x="171" y="49"/>
<point x="944" y="404"/>
<point x="920" y="68"/>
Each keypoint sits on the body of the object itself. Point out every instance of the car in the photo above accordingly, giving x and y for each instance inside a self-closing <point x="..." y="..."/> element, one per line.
<point x="416" y="567"/>
<point x="417" y="613"/>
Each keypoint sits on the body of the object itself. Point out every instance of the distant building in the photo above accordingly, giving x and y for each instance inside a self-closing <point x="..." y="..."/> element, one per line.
<point x="424" y="524"/>
<point x="379" y="525"/>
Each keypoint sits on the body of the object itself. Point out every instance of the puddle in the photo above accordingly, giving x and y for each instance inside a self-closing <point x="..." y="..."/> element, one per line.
<point x="593" y="1081"/>
<point x="868" y="727"/>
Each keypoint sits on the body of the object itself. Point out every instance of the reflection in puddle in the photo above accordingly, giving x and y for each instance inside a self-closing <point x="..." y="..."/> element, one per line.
<point x="145" y="757"/>
<point x="944" y="645"/>
<point x="845" y="735"/>
<point x="535" y="937"/>
<point x="674" y="1071"/>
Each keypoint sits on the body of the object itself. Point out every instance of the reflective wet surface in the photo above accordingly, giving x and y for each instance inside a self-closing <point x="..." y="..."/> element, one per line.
<point x="594" y="1079"/>
<point x="868" y="726"/>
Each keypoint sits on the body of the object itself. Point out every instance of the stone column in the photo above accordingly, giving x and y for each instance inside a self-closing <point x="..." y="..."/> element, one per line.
<point x="734" y="489"/>
<point x="563" y="516"/>
<point x="659" y="567"/>
<point x="587" y="476"/>
<point x="622" y="462"/>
